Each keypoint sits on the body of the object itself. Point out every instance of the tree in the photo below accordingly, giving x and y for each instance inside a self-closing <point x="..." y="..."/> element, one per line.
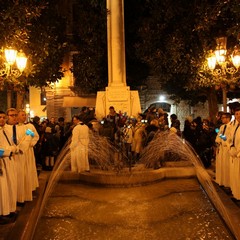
<point x="16" y="18"/>
<point x="90" y="42"/>
<point x="36" y="28"/>
<point x="15" y="21"/>
<point x="136" y="69"/>
<point x="47" y="47"/>
<point x="178" y="35"/>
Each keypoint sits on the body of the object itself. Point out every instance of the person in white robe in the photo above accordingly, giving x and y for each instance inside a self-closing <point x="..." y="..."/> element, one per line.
<point x="139" y="137"/>
<point x="27" y="172"/>
<point x="79" y="146"/>
<point x="31" y="156"/>
<point x="222" y="152"/>
<point x="127" y="138"/>
<point x="21" y="140"/>
<point x="234" y="147"/>
<point x="8" y="178"/>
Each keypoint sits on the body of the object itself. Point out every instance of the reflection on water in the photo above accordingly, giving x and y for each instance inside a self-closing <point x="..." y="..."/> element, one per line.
<point x="172" y="209"/>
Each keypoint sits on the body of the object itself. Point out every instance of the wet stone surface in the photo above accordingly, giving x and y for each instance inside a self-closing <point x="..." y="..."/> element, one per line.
<point x="170" y="209"/>
<point x="6" y="228"/>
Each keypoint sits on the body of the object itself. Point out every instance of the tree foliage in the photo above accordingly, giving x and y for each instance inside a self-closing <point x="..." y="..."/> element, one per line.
<point x="15" y="27"/>
<point x="90" y="42"/>
<point x="179" y="35"/>
<point x="136" y="69"/>
<point x="47" y="47"/>
<point x="36" y="28"/>
<point x="15" y="21"/>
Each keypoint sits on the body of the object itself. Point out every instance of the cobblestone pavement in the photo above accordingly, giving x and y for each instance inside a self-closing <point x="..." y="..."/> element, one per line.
<point x="5" y="229"/>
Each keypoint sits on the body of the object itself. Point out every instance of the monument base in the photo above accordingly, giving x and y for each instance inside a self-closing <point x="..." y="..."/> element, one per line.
<point x="121" y="98"/>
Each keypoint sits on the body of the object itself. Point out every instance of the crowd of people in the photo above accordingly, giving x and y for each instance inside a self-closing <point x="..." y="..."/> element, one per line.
<point x="24" y="146"/>
<point x="52" y="137"/>
<point x="138" y="132"/>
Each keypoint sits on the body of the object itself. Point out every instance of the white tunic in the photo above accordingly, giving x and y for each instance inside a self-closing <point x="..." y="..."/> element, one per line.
<point x="4" y="193"/>
<point x="31" y="179"/>
<point x="138" y="132"/>
<point x="25" y="162"/>
<point x="8" y="181"/>
<point x="235" y="161"/>
<point x="23" y="143"/>
<point x="222" y="157"/>
<point x="79" y="148"/>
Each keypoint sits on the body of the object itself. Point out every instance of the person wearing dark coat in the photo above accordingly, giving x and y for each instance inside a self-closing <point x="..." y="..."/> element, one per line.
<point x="189" y="131"/>
<point x="205" y="141"/>
<point x="50" y="148"/>
<point x="151" y="130"/>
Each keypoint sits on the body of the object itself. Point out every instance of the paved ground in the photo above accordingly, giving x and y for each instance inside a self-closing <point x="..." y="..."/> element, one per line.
<point x="20" y="228"/>
<point x="15" y="230"/>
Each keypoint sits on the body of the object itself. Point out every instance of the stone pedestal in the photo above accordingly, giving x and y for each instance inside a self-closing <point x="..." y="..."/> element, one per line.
<point x="121" y="98"/>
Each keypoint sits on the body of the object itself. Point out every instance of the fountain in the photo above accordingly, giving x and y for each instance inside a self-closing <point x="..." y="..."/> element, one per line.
<point x="165" y="147"/>
<point x="131" y="202"/>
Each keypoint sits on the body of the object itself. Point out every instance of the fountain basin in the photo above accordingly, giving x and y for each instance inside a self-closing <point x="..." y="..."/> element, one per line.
<point x="137" y="176"/>
<point x="26" y="221"/>
<point x="76" y="210"/>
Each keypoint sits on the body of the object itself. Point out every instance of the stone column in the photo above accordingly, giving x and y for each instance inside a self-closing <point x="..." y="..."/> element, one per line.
<point x="116" y="43"/>
<point x="117" y="93"/>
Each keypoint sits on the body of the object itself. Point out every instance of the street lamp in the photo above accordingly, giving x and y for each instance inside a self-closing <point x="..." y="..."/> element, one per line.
<point x="12" y="57"/>
<point x="224" y="68"/>
<point x="12" y="68"/>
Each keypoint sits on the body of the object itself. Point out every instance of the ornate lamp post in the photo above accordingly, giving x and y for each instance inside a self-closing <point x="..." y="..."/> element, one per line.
<point x="224" y="68"/>
<point x="12" y="68"/>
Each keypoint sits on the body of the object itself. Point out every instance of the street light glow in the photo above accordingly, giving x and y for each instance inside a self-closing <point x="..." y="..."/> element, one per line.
<point x="212" y="61"/>
<point x="12" y="56"/>
<point x="162" y="98"/>
<point x="11" y="69"/>
<point x="21" y="61"/>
